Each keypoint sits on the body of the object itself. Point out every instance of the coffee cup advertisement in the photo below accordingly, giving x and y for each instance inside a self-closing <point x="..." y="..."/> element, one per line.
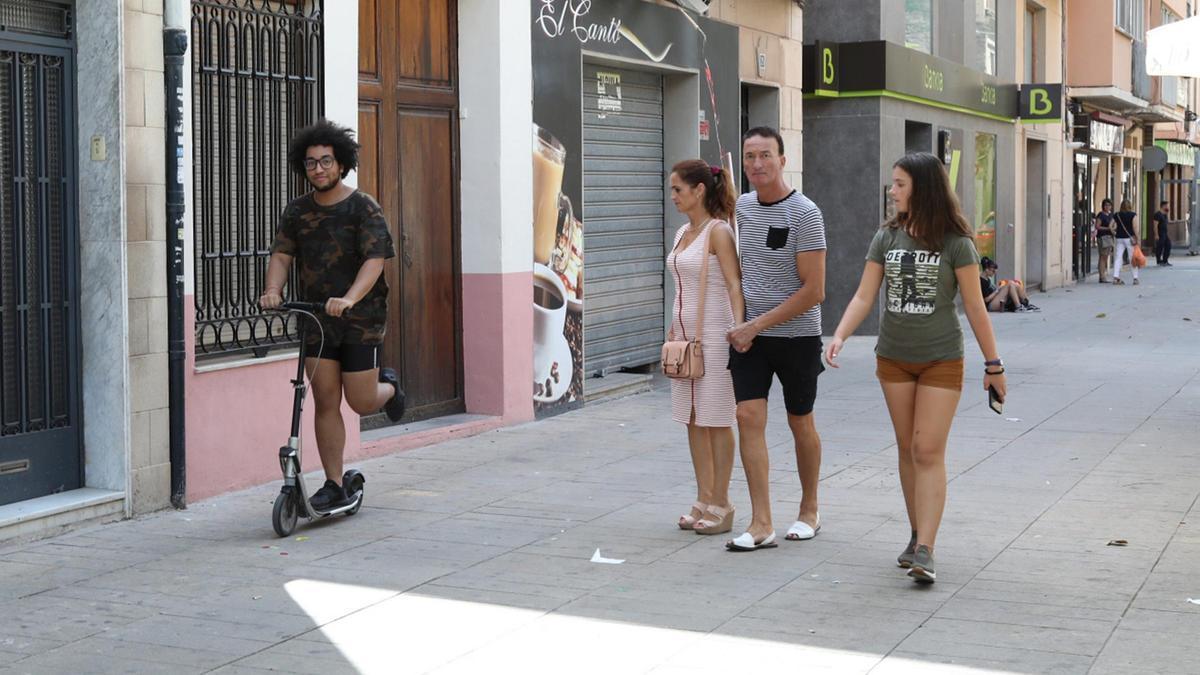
<point x="605" y="117"/>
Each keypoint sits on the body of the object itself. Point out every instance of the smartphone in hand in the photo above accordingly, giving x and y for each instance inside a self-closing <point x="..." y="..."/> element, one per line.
<point x="995" y="402"/>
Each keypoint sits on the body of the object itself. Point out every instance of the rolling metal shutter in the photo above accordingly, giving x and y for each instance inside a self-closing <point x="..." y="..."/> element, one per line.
<point x="623" y="183"/>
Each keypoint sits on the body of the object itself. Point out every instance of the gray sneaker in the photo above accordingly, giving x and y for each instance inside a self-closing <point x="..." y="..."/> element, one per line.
<point x="905" y="559"/>
<point x="922" y="566"/>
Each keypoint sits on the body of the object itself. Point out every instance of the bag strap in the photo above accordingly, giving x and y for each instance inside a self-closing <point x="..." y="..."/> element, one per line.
<point x="703" y="281"/>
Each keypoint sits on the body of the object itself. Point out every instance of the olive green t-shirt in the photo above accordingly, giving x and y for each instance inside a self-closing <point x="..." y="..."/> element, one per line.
<point x="920" y="322"/>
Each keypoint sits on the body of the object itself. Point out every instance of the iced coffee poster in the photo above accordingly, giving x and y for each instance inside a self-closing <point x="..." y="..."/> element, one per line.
<point x="571" y="37"/>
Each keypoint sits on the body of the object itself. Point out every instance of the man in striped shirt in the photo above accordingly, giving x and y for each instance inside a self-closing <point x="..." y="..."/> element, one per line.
<point x="781" y="241"/>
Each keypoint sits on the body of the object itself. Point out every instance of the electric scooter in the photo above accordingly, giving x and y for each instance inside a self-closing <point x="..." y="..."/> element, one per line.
<point x="292" y="501"/>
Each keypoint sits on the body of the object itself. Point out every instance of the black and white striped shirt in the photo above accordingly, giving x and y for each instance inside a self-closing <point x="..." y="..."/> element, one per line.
<point x="769" y="237"/>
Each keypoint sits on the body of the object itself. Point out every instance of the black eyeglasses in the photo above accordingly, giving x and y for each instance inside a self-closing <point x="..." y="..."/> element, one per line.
<point x="326" y="162"/>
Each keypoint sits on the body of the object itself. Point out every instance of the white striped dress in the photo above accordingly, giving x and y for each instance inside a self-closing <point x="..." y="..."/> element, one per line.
<point x="710" y="396"/>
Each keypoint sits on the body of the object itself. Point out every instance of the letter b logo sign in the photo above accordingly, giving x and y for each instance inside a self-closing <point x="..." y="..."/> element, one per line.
<point x="1039" y="102"/>
<point x="827" y="65"/>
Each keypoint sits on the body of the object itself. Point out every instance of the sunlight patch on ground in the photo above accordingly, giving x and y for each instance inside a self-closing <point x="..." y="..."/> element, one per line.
<point x="411" y="633"/>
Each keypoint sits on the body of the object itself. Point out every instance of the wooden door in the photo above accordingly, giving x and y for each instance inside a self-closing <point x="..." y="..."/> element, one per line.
<point x="408" y="127"/>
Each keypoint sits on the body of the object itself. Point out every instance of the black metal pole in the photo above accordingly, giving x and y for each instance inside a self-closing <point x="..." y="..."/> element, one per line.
<point x="174" y="47"/>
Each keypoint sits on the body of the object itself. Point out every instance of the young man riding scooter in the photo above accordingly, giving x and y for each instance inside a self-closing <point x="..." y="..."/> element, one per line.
<point x="339" y="238"/>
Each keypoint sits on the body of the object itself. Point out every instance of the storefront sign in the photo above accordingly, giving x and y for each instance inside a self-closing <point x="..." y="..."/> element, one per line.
<point x="885" y="69"/>
<point x="560" y="17"/>
<point x="1101" y="136"/>
<point x="1177" y="153"/>
<point x="1040" y="103"/>
<point x="827" y="78"/>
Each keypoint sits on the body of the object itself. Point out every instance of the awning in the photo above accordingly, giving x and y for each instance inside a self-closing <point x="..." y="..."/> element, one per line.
<point x="1178" y="153"/>
<point x="1171" y="49"/>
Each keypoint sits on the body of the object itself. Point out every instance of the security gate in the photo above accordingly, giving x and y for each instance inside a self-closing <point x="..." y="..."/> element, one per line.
<point x="39" y="355"/>
<point x="623" y="218"/>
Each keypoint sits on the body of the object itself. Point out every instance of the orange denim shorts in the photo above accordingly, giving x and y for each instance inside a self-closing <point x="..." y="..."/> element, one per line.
<point x="940" y="374"/>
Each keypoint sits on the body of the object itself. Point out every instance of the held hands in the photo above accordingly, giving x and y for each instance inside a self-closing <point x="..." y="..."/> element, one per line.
<point x="336" y="306"/>
<point x="742" y="335"/>
<point x="832" y="351"/>
<point x="271" y="299"/>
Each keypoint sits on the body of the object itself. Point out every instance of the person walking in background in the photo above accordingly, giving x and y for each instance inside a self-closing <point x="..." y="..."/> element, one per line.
<point x="781" y="240"/>
<point x="1127" y="240"/>
<point x="1105" y="239"/>
<point x="919" y="354"/>
<point x="1162" y="242"/>
<point x="706" y="405"/>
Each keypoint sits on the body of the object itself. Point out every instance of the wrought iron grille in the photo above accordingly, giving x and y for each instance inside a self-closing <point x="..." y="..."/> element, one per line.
<point x="35" y="212"/>
<point x="256" y="77"/>
<point x="36" y="16"/>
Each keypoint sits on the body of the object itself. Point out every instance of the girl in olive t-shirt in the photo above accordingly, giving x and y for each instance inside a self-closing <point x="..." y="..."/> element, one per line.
<point x="923" y="258"/>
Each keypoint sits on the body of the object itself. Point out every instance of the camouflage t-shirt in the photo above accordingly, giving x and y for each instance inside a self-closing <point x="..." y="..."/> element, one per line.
<point x="330" y="244"/>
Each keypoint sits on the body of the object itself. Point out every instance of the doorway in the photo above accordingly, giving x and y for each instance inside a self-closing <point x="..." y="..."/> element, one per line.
<point x="408" y="129"/>
<point x="40" y="425"/>
<point x="1036" y="210"/>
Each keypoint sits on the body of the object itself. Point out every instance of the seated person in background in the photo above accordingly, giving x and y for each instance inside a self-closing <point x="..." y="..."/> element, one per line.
<point x="1003" y="295"/>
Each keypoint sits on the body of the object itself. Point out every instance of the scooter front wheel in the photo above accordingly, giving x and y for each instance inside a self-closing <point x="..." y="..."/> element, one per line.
<point x="285" y="514"/>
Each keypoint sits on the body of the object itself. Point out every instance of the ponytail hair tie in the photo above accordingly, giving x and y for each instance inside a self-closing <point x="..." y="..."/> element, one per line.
<point x="716" y="170"/>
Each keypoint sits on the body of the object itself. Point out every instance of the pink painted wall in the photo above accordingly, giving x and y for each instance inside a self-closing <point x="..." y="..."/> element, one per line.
<point x="497" y="344"/>
<point x="1091" y="41"/>
<point x="238" y="418"/>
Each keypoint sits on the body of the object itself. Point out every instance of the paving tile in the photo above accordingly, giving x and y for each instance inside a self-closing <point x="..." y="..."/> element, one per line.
<point x="1135" y="651"/>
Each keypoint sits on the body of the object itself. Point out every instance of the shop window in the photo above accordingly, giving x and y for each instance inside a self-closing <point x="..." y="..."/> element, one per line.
<point x="984" y="56"/>
<point x="918" y="25"/>
<point x="1128" y="187"/>
<point x="985" y="194"/>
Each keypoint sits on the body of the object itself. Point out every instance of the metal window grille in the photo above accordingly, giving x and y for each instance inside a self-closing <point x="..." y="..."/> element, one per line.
<point x="36" y="16"/>
<point x="35" y="213"/>
<point x="256" y="77"/>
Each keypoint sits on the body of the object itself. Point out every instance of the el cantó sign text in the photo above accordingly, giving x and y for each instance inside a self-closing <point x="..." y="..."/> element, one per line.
<point x="880" y="68"/>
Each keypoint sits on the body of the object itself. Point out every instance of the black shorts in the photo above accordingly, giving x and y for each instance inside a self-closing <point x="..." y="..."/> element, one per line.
<point x="356" y="346"/>
<point x="354" y="358"/>
<point x="796" y="361"/>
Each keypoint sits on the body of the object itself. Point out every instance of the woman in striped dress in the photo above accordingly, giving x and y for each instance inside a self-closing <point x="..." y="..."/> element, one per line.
<point x="706" y="405"/>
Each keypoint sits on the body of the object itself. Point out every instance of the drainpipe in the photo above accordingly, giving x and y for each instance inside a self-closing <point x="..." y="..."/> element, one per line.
<point x="175" y="40"/>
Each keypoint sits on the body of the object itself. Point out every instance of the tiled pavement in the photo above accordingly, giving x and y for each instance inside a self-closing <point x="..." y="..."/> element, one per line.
<point x="473" y="556"/>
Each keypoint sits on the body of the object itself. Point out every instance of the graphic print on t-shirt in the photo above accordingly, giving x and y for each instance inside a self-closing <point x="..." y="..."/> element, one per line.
<point x="912" y="280"/>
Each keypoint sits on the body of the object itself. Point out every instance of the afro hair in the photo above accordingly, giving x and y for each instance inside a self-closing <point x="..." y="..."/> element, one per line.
<point x="324" y="132"/>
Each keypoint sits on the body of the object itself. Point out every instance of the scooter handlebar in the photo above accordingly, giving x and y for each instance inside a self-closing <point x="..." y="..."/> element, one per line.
<point x="312" y="307"/>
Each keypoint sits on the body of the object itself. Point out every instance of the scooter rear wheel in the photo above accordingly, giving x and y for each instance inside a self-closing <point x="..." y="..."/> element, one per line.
<point x="285" y="514"/>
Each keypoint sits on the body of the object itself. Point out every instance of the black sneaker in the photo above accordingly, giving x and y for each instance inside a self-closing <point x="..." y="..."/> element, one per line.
<point x="330" y="496"/>
<point x="1167" y="264"/>
<point x="922" y="566"/>
<point x="1029" y="306"/>
<point x="395" y="405"/>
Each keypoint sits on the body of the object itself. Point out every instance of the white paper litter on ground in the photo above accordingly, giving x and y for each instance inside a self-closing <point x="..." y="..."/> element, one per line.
<point x="1013" y="419"/>
<point x="597" y="558"/>
<point x="1194" y="601"/>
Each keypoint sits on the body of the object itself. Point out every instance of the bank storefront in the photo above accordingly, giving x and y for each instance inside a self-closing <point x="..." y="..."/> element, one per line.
<point x="869" y="103"/>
